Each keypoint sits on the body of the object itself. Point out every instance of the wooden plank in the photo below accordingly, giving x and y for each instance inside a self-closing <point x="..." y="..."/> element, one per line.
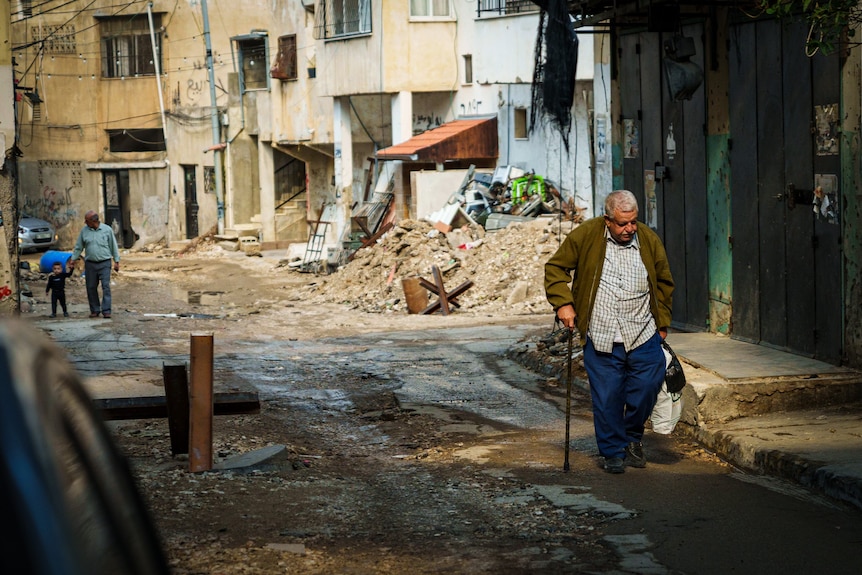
<point x="156" y="407"/>
<point x="695" y="274"/>
<point x="770" y="184"/>
<point x="828" y="254"/>
<point x="798" y="171"/>
<point x="453" y="294"/>
<point x="443" y="300"/>
<point x="433" y="289"/>
<point x="744" y="184"/>
<point x="176" y="406"/>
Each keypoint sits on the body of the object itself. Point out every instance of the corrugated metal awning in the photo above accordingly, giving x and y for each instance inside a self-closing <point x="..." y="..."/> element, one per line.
<point x="469" y="139"/>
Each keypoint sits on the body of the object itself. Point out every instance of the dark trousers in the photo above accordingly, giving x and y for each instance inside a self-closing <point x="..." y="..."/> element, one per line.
<point x="623" y="387"/>
<point x="58" y="296"/>
<point x="98" y="273"/>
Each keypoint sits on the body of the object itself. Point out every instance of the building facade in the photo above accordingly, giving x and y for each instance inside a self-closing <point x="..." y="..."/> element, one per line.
<point x="741" y="141"/>
<point x="253" y="118"/>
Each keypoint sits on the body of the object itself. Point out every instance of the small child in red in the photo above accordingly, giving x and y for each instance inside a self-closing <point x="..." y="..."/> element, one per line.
<point x="57" y="287"/>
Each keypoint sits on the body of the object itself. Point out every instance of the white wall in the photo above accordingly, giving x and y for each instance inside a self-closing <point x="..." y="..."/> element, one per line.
<point x="503" y="73"/>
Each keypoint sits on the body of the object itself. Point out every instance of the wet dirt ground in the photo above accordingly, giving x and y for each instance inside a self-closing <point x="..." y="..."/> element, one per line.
<point x="401" y="443"/>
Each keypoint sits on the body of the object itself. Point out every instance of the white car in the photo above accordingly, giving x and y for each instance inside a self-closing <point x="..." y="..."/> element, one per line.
<point x="35" y="234"/>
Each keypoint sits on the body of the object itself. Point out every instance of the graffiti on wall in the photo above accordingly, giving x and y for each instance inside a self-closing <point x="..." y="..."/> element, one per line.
<point x="422" y="123"/>
<point x="52" y="205"/>
<point x="194" y="89"/>
<point x="471" y="108"/>
<point x="53" y="202"/>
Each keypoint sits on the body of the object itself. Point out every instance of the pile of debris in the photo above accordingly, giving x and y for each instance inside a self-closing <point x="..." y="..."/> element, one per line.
<point x="506" y="266"/>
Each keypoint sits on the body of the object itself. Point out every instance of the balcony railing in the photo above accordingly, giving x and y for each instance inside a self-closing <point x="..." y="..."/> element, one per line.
<point x="505" y="7"/>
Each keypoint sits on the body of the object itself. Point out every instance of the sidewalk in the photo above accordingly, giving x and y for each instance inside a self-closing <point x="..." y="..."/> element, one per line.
<point x="774" y="413"/>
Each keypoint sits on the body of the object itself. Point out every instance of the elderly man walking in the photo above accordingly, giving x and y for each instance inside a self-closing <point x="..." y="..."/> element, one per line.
<point x="620" y="301"/>
<point x="99" y="246"/>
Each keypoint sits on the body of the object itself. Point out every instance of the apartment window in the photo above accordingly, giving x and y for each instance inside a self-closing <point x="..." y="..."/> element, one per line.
<point x="429" y="8"/>
<point x="126" y="46"/>
<point x="521" y="131"/>
<point x="339" y="18"/>
<point x="25" y="8"/>
<point x="284" y="67"/>
<point x="252" y="55"/>
<point x="137" y="140"/>
<point x="506" y="6"/>
<point x="55" y="39"/>
<point x="209" y="180"/>
<point x="468" y="68"/>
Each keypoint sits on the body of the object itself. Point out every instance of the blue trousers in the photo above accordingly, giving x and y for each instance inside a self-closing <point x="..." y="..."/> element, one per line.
<point x="623" y="387"/>
<point x="98" y="273"/>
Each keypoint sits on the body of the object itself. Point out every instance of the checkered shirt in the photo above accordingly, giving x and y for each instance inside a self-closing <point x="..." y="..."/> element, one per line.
<point x="621" y="312"/>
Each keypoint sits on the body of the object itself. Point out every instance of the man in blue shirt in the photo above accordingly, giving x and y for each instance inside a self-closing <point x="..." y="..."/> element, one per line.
<point x="98" y="243"/>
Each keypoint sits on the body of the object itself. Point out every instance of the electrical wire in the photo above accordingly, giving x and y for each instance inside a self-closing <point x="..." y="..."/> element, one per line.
<point x="73" y="17"/>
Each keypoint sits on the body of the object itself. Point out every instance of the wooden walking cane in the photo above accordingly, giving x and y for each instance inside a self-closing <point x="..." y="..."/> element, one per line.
<point x="568" y="401"/>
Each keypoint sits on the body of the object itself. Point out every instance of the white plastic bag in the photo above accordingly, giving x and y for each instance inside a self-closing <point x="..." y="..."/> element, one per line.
<point x="668" y="406"/>
<point x="667" y="410"/>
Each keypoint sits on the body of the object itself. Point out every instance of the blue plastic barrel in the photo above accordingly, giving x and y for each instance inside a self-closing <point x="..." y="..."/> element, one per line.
<point x="51" y="257"/>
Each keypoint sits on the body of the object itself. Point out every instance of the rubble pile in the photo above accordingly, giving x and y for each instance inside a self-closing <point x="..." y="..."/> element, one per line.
<point x="506" y="267"/>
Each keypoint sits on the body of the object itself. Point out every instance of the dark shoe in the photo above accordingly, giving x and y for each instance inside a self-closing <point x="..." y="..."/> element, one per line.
<point x="65" y="315"/>
<point x="53" y="315"/>
<point x="94" y="314"/>
<point x="614" y="465"/>
<point x="635" y="454"/>
<point x="106" y="315"/>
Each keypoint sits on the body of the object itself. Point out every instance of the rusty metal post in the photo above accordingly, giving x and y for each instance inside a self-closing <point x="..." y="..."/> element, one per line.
<point x="201" y="403"/>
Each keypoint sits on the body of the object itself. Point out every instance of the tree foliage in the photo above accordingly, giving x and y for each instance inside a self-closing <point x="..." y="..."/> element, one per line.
<point x="828" y="20"/>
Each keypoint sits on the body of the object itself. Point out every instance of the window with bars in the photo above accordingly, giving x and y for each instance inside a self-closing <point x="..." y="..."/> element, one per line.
<point x="521" y="130"/>
<point x="505" y="6"/>
<point x="55" y="39"/>
<point x="127" y="50"/>
<point x="429" y="8"/>
<point x="285" y="67"/>
<point x="25" y="8"/>
<point x="340" y="18"/>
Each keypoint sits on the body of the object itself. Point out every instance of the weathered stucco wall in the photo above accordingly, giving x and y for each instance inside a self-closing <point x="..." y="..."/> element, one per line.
<point x="718" y="183"/>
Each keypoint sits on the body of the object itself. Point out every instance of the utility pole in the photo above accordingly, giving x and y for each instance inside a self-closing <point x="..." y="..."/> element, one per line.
<point x="217" y="147"/>
<point x="157" y="57"/>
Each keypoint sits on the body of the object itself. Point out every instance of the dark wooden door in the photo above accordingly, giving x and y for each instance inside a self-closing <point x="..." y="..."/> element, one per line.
<point x="786" y="258"/>
<point x="667" y="170"/>
<point x="191" y="201"/>
<point x="115" y="186"/>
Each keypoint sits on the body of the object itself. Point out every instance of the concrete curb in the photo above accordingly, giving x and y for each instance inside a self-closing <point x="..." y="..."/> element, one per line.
<point x="803" y="429"/>
<point x="831" y="463"/>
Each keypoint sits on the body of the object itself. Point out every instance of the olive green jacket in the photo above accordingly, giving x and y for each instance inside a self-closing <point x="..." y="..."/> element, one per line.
<point x="583" y="252"/>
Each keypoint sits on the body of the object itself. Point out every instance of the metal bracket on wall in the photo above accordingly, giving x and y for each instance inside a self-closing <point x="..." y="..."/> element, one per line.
<point x="794" y="196"/>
